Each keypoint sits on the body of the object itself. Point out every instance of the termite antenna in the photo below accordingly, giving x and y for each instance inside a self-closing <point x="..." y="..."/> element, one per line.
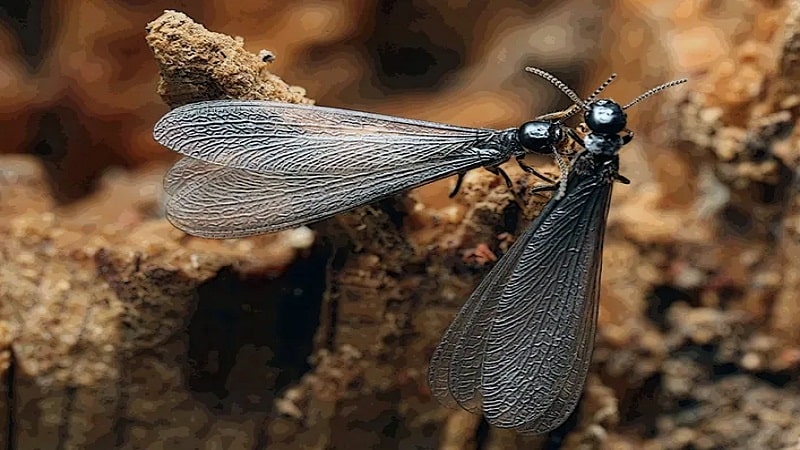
<point x="570" y="112"/>
<point x="654" y="90"/>
<point x="558" y="84"/>
<point x="601" y="88"/>
<point x="574" y="109"/>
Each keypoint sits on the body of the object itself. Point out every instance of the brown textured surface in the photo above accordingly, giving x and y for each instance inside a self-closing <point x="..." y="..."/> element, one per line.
<point x="196" y="64"/>
<point x="116" y="330"/>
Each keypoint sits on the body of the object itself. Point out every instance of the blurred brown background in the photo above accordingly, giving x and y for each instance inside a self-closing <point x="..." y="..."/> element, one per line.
<point x="118" y="331"/>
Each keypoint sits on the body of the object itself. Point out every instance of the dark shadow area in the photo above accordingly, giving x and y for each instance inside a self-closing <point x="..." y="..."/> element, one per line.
<point x="248" y="339"/>
<point x="639" y="409"/>
<point x="555" y="439"/>
<point x="412" y="46"/>
<point x="779" y="379"/>
<point x="29" y="21"/>
<point x="659" y="300"/>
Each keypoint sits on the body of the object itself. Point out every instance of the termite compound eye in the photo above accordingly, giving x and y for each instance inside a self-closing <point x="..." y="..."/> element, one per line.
<point x="539" y="135"/>
<point x="605" y="117"/>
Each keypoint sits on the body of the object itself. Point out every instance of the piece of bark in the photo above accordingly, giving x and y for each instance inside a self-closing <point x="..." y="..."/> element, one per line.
<point x="93" y="320"/>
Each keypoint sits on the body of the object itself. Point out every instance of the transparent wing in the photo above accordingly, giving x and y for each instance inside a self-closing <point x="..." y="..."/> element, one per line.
<point x="256" y="167"/>
<point x="539" y="348"/>
<point x="520" y="348"/>
<point x="274" y="137"/>
<point x="455" y="370"/>
<point x="215" y="201"/>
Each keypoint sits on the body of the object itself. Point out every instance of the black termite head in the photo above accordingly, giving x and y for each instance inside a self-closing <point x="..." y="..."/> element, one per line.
<point x="540" y="136"/>
<point x="604" y="118"/>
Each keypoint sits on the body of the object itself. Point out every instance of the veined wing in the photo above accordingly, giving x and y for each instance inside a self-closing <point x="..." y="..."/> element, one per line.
<point x="455" y="370"/>
<point x="215" y="201"/>
<point x="520" y="348"/>
<point x="540" y="343"/>
<point x="275" y="137"/>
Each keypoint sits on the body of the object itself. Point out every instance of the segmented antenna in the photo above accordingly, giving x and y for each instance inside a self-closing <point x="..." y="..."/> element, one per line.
<point x="601" y="88"/>
<point x="575" y="108"/>
<point x="558" y="84"/>
<point x="654" y="91"/>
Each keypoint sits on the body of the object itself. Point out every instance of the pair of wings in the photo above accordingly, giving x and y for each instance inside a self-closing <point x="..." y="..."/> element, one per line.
<point x="520" y="348"/>
<point x="253" y="167"/>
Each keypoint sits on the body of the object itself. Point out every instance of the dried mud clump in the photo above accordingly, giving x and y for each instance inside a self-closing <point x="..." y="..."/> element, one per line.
<point x="196" y="64"/>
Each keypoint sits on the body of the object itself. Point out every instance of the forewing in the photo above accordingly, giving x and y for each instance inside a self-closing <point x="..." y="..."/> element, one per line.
<point x="455" y="369"/>
<point x="538" y="349"/>
<point x="275" y="137"/>
<point x="215" y="201"/>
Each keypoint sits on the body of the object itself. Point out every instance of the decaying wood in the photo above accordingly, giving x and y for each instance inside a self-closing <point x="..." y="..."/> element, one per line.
<point x="116" y="330"/>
